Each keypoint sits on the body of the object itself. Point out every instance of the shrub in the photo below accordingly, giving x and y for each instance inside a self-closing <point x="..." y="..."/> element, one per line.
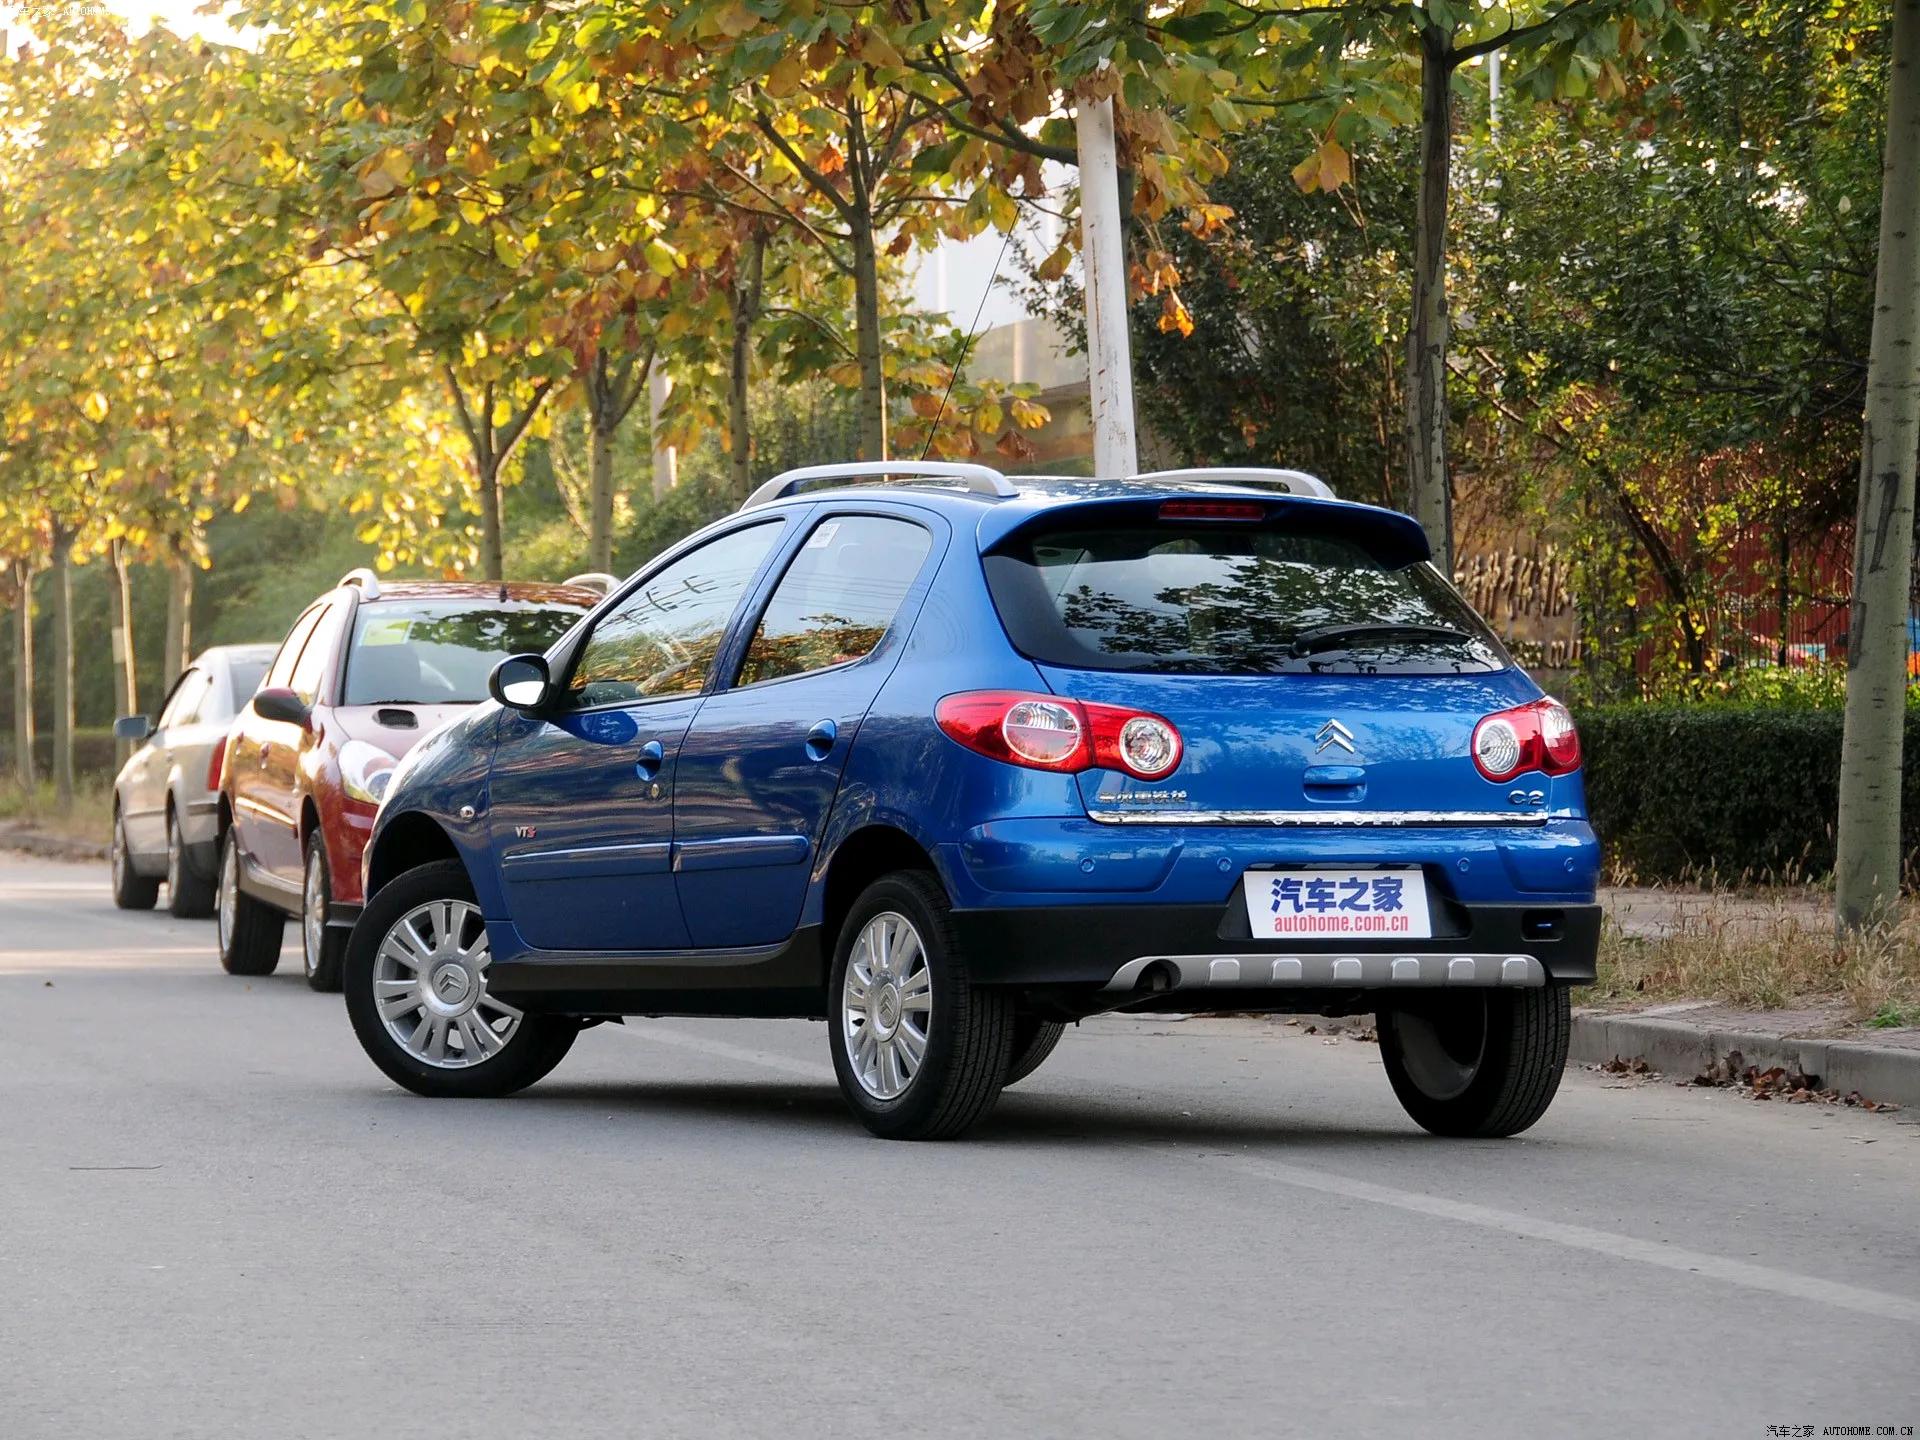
<point x="1723" y="792"/>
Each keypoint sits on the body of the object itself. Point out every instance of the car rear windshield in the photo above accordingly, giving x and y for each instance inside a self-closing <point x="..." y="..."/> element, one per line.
<point x="1208" y="598"/>
<point x="244" y="676"/>
<point x="438" y="652"/>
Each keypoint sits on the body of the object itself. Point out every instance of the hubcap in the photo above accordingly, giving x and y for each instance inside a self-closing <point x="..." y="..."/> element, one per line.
<point x="229" y="891"/>
<point x="313" y="909"/>
<point x="886" y="1005"/>
<point x="430" y="983"/>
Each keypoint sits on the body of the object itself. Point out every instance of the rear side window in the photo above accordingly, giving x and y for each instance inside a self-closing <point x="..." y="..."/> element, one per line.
<point x="663" y="638"/>
<point x="1205" y="598"/>
<point x="838" y="596"/>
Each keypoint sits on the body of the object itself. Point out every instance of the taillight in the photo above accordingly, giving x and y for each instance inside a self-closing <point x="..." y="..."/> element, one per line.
<point x="1046" y="732"/>
<point x="1211" y="510"/>
<point x="216" y="766"/>
<point x="1538" y="736"/>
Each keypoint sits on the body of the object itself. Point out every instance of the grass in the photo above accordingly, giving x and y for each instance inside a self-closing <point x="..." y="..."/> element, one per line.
<point x="91" y="817"/>
<point x="1765" y="959"/>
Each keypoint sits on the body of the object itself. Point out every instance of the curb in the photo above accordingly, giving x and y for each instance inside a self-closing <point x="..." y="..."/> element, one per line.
<point x="48" y="847"/>
<point x="1878" y="1072"/>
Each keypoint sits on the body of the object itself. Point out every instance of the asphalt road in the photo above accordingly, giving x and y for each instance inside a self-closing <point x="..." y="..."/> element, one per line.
<point x="217" y="1219"/>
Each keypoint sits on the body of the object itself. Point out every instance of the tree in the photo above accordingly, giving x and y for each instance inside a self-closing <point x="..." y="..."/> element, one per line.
<point x="1867" y="872"/>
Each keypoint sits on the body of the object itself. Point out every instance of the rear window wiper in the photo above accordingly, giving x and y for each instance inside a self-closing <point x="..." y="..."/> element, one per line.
<point x="1333" y="637"/>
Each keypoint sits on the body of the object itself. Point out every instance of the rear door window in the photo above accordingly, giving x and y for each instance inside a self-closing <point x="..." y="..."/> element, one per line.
<point x="1205" y="598"/>
<point x="838" y="597"/>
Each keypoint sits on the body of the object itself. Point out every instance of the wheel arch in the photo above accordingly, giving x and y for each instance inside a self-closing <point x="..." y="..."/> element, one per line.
<point x="861" y="858"/>
<point x="406" y="842"/>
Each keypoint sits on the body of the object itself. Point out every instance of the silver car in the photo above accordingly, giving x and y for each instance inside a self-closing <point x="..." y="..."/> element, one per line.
<point x="164" y="821"/>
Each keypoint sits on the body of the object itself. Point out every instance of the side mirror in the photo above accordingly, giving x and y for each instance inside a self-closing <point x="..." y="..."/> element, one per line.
<point x="521" y="682"/>
<point x="132" y="727"/>
<point x="280" y="703"/>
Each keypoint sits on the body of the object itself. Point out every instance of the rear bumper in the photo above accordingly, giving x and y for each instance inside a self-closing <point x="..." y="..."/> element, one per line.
<point x="1115" y="949"/>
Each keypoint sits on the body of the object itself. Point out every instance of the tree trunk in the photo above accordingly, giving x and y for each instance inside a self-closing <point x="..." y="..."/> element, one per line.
<point x="602" y="421"/>
<point x="125" y="673"/>
<point x="666" y="461"/>
<point x="1429" y="495"/>
<point x="866" y="324"/>
<point x="1867" y="871"/>
<point x="493" y="565"/>
<point x="23" y="761"/>
<point x="62" y="671"/>
<point x="747" y="288"/>
<point x="179" y="613"/>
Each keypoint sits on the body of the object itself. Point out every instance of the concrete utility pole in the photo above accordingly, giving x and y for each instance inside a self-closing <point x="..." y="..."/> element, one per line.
<point x="1103" y="254"/>
<point x="666" y="462"/>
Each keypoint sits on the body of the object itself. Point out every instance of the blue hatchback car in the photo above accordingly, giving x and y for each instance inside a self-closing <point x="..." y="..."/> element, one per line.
<point x="950" y="760"/>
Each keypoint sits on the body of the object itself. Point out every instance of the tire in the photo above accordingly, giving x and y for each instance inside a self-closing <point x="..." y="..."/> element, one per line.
<point x="1482" y="1063"/>
<point x="323" y="951"/>
<point x="1033" y="1042"/>
<point x="131" y="890"/>
<point x="966" y="1039"/>
<point x="189" y="896"/>
<point x="249" y="932"/>
<point x="426" y="899"/>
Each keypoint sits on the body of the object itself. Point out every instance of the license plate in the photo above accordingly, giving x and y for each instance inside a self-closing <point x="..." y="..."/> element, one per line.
<point x="1337" y="904"/>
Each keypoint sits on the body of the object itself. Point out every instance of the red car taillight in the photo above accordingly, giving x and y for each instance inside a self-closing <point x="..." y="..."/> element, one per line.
<point x="216" y="767"/>
<point x="1048" y="732"/>
<point x="1538" y="736"/>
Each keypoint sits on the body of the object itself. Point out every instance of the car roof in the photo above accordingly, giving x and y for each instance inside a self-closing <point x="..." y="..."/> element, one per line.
<point x="527" y="592"/>
<point x="264" y="650"/>
<point x="997" y="516"/>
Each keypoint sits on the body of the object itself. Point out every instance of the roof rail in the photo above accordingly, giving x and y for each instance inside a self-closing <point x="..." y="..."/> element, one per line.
<point x="980" y="479"/>
<point x="368" y="582"/>
<point x="593" y="580"/>
<point x="1293" y="482"/>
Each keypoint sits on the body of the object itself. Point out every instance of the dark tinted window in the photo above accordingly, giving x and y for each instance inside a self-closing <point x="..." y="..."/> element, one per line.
<point x="1225" y="599"/>
<point x="838" y="596"/>
<point x="440" y="652"/>
<point x="243" y="678"/>
<point x="662" y="639"/>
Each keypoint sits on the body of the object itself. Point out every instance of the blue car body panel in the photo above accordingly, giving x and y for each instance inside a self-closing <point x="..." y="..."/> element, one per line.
<point x="701" y="832"/>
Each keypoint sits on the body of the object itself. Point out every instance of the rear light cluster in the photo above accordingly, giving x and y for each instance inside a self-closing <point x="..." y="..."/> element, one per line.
<point x="216" y="765"/>
<point x="1539" y="736"/>
<point x="1047" y="732"/>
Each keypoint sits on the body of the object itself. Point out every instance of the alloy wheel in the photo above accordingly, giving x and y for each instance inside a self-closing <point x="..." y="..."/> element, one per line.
<point x="173" y="857"/>
<point x="886" y="1005"/>
<point x="313" y="909"/>
<point x="430" y="986"/>
<point x="229" y="891"/>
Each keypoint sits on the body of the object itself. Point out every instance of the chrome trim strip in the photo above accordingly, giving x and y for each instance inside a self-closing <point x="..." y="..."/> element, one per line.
<point x="1420" y="970"/>
<point x="1317" y="819"/>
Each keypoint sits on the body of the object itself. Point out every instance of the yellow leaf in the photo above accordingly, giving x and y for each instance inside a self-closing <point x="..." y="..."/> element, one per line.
<point x="784" y="78"/>
<point x="94" y="407"/>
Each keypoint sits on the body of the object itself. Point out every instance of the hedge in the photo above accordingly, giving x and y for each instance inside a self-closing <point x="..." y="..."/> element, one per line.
<point x="1678" y="791"/>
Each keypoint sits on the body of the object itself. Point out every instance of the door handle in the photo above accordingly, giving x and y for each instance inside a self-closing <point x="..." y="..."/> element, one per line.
<point x="820" y="740"/>
<point x="652" y="754"/>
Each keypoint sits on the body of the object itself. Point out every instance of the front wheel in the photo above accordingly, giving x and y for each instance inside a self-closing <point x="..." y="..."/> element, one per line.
<point x="1478" y="1063"/>
<point x="416" y="983"/>
<point x="323" y="949"/>
<point x="131" y="890"/>
<point x="920" y="1050"/>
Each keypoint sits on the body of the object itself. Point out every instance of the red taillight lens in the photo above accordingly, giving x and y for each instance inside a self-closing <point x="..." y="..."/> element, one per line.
<point x="1046" y="732"/>
<point x="216" y="767"/>
<point x="1539" y="736"/>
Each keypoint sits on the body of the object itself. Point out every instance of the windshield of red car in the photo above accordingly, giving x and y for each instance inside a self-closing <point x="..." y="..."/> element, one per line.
<point x="440" y="652"/>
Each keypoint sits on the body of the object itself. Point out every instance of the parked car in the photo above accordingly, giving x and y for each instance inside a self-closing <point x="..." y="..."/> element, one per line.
<point x="164" y="830"/>
<point x="952" y="761"/>
<point x="366" y="671"/>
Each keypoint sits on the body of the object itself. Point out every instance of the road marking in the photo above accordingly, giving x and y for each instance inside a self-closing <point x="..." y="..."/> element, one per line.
<point x="1879" y="1303"/>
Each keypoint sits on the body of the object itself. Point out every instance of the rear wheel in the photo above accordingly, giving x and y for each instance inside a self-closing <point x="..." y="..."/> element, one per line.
<point x="920" y="1050"/>
<point x="323" y="950"/>
<point x="131" y="891"/>
<point x="189" y="896"/>
<point x="1033" y="1042"/>
<point x="1478" y="1063"/>
<point x="250" y="932"/>
<point x="416" y="983"/>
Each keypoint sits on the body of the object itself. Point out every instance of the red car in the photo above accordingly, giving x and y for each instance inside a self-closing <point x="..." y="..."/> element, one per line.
<point x="366" y="672"/>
